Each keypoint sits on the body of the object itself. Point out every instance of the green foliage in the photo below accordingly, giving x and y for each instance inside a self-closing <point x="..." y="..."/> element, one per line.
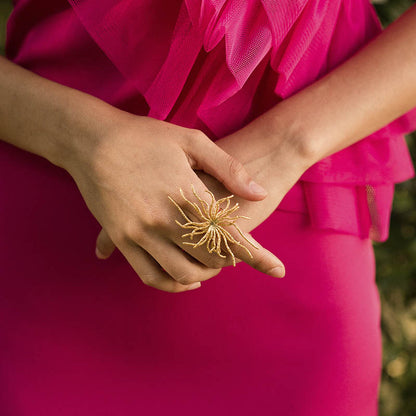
<point x="396" y="280"/>
<point x="389" y="10"/>
<point x="396" y="270"/>
<point x="5" y="8"/>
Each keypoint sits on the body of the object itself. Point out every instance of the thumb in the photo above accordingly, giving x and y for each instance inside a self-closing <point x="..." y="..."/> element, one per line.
<point x="205" y="155"/>
<point x="260" y="259"/>
<point x="104" y="246"/>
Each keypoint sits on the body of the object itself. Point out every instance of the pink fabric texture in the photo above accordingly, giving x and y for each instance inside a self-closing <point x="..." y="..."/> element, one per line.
<point x="287" y="44"/>
<point x="84" y="337"/>
<point x="232" y="60"/>
<point x="80" y="336"/>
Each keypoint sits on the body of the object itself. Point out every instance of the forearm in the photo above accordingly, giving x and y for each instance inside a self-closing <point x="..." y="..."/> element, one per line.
<point x="44" y="117"/>
<point x="368" y="91"/>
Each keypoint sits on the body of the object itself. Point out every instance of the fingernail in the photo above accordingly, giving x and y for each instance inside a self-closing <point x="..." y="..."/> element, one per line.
<point x="99" y="254"/>
<point x="194" y="286"/>
<point x="256" y="188"/>
<point x="277" y="271"/>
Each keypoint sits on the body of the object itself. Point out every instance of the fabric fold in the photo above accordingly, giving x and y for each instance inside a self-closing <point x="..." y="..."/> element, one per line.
<point x="205" y="64"/>
<point x="362" y="210"/>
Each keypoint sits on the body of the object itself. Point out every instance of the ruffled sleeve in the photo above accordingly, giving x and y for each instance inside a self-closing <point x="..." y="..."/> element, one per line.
<point x="218" y="64"/>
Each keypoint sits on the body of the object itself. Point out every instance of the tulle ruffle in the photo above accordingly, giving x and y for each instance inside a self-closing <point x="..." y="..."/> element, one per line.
<point x="218" y="64"/>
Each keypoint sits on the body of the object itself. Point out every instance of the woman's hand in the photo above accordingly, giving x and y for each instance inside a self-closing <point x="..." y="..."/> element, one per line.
<point x="125" y="180"/>
<point x="277" y="169"/>
<point x="274" y="160"/>
<point x="125" y="166"/>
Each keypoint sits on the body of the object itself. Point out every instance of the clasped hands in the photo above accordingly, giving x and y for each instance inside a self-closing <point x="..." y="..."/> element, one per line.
<point x="125" y="180"/>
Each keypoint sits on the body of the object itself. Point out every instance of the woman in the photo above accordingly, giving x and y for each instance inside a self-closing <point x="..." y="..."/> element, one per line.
<point x="107" y="108"/>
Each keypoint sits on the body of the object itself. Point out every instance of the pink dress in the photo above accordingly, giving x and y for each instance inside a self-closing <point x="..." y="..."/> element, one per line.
<point x="82" y="336"/>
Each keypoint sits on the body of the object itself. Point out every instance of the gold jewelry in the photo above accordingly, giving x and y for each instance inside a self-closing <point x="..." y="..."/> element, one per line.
<point x="214" y="218"/>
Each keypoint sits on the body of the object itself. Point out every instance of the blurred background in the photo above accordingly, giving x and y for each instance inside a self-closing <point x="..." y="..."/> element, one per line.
<point x="396" y="268"/>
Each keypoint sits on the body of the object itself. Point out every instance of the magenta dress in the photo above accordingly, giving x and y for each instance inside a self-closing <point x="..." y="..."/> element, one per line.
<point x="82" y="336"/>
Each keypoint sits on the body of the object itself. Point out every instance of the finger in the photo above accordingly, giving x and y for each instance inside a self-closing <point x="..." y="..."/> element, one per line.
<point x="214" y="259"/>
<point x="180" y="265"/>
<point x="211" y="260"/>
<point x="259" y="258"/>
<point x="236" y="243"/>
<point x="195" y="236"/>
<point x="150" y="271"/>
<point x="229" y="253"/>
<point x="104" y="245"/>
<point x="205" y="155"/>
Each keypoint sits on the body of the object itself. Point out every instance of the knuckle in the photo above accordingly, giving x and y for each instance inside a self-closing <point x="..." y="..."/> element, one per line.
<point x="152" y="221"/>
<point x="260" y="260"/>
<point x="185" y="278"/>
<point x="216" y="262"/>
<point x="199" y="135"/>
<point x="134" y="233"/>
<point x="235" y="167"/>
<point x="215" y="272"/>
<point x="192" y="137"/>
<point x="229" y="261"/>
<point x="119" y="238"/>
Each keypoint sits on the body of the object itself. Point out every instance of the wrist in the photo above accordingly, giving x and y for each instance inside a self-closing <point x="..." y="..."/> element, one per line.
<point x="295" y="134"/>
<point x="275" y="155"/>
<point x="83" y="125"/>
<point x="58" y="123"/>
<point x="284" y="143"/>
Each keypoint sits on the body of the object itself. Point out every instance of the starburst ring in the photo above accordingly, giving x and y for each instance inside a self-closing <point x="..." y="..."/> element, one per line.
<point x="213" y="219"/>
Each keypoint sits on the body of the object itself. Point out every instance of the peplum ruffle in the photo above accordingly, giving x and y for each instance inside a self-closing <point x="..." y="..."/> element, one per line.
<point x="218" y="64"/>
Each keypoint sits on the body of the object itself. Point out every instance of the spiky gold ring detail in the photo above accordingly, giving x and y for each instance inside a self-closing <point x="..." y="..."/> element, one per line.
<point x="213" y="220"/>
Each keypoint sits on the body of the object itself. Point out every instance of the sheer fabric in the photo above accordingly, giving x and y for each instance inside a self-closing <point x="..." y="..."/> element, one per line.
<point x="216" y="65"/>
<point x="83" y="336"/>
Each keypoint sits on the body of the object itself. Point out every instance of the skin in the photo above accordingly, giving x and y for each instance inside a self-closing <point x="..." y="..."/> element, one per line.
<point x="378" y="85"/>
<point x="125" y="166"/>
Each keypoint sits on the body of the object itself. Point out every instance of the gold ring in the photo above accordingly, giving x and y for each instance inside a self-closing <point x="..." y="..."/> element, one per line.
<point x="213" y="219"/>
